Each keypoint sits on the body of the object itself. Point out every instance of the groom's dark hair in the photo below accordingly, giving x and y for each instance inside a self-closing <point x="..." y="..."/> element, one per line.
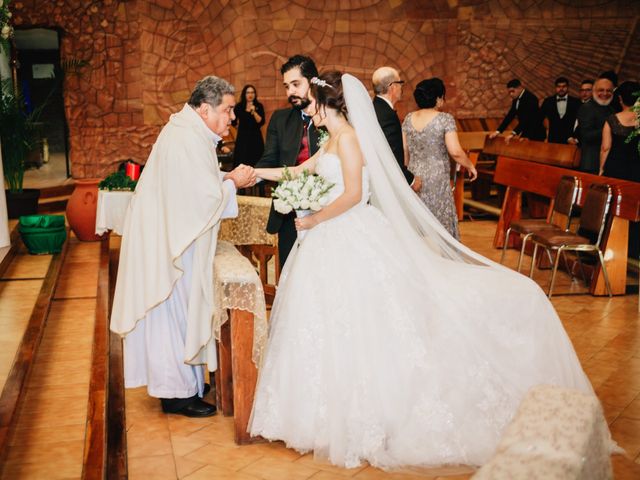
<point x="305" y="64"/>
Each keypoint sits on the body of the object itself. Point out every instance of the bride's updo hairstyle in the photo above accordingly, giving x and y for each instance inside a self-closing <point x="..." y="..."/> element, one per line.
<point x="327" y="90"/>
<point x="428" y="91"/>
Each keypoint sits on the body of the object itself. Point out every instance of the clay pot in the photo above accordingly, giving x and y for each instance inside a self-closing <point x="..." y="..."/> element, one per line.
<point x="81" y="209"/>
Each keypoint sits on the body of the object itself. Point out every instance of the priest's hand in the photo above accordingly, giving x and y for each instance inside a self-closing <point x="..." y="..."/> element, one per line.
<point x="243" y="176"/>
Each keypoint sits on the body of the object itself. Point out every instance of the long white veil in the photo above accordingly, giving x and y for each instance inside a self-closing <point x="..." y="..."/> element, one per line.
<point x="409" y="216"/>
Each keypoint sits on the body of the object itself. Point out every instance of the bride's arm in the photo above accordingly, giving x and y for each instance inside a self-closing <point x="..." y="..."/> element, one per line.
<point x="351" y="163"/>
<point x="275" y="173"/>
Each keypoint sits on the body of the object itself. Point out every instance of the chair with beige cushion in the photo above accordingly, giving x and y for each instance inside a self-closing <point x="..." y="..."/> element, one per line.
<point x="561" y="210"/>
<point x="588" y="238"/>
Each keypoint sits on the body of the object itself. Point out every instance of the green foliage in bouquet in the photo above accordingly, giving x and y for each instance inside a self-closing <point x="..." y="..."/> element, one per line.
<point x="118" y="181"/>
<point x="636" y="110"/>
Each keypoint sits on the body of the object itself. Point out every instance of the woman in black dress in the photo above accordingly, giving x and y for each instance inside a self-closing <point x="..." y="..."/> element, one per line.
<point x="249" y="118"/>
<point x="619" y="159"/>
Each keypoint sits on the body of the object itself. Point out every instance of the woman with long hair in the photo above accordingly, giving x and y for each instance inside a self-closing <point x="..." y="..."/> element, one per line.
<point x="390" y="342"/>
<point x="249" y="118"/>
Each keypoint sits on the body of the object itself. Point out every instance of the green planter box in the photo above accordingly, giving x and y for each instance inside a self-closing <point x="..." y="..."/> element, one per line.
<point x="43" y="234"/>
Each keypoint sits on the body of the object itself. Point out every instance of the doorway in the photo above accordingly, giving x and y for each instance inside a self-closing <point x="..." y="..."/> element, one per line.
<point x="40" y="81"/>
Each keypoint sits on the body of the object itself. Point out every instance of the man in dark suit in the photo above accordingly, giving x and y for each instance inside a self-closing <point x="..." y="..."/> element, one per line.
<point x="560" y="110"/>
<point x="291" y="140"/>
<point x="388" y="89"/>
<point x="524" y="107"/>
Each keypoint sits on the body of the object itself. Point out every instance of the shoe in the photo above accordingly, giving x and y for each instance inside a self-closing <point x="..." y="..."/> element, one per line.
<point x="196" y="408"/>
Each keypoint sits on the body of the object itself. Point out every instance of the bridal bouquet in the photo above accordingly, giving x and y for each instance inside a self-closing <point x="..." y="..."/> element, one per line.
<point x="305" y="194"/>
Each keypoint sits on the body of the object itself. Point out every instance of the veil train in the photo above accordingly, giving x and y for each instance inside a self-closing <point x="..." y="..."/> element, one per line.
<point x="409" y="216"/>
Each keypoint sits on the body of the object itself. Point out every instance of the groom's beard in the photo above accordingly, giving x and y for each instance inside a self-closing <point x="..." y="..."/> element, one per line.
<point x="299" y="103"/>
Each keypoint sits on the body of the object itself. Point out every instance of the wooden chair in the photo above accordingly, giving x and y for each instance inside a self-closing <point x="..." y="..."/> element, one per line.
<point x="588" y="238"/>
<point x="559" y="216"/>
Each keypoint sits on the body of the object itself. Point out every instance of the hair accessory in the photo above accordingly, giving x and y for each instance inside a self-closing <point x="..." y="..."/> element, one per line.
<point x="320" y="82"/>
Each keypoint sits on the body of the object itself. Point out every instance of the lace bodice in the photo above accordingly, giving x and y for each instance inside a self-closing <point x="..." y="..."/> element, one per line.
<point x="329" y="167"/>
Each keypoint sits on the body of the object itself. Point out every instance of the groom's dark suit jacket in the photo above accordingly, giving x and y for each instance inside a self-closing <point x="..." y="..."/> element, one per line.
<point x="284" y="138"/>
<point x="392" y="129"/>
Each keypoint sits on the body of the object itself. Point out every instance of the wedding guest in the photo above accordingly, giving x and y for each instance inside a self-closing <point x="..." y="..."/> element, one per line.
<point x="586" y="90"/>
<point x="615" y="100"/>
<point x="430" y="138"/>
<point x="591" y="117"/>
<point x="560" y="110"/>
<point x="249" y="114"/>
<point x="619" y="158"/>
<point x="524" y="107"/>
<point x="388" y="89"/>
<point x="163" y="301"/>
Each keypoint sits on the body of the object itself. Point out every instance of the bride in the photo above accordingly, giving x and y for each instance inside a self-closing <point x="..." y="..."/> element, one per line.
<point x="391" y="342"/>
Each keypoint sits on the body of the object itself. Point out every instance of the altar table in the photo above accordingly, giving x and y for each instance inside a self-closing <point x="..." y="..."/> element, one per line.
<point x="240" y="325"/>
<point x="111" y="210"/>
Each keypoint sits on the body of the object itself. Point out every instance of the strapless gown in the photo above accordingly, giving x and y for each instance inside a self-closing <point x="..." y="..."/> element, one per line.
<point x="371" y="359"/>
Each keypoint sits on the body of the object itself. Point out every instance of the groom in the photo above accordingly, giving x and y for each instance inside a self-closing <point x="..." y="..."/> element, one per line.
<point x="291" y="140"/>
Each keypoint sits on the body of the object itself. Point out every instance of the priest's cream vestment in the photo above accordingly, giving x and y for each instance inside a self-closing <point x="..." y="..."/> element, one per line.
<point x="164" y="298"/>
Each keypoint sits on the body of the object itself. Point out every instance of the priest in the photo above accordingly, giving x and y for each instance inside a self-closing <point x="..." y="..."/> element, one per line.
<point x="164" y="298"/>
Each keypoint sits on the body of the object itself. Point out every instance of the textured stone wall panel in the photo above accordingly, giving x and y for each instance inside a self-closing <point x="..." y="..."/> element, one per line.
<point x="145" y="55"/>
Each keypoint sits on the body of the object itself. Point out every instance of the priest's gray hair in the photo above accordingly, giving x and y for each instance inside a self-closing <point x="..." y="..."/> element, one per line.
<point x="210" y="90"/>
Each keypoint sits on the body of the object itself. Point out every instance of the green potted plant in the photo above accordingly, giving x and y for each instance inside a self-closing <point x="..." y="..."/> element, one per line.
<point x="17" y="134"/>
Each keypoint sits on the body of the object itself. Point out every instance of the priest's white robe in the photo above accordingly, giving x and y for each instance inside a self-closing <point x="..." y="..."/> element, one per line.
<point x="164" y="298"/>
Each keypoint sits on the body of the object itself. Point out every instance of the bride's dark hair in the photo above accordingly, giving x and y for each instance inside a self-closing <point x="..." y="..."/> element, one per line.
<point x="329" y="96"/>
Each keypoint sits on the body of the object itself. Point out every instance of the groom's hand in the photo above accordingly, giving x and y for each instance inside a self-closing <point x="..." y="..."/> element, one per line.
<point x="243" y="176"/>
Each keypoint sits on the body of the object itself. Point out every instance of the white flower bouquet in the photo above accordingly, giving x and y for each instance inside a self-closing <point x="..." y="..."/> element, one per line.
<point x="305" y="193"/>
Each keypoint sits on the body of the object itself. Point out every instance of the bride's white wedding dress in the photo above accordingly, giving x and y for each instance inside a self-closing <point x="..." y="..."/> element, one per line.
<point x="377" y="353"/>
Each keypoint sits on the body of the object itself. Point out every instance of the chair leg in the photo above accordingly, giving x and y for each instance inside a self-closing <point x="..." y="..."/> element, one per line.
<point x="582" y="272"/>
<point x="604" y="273"/>
<point x="524" y="243"/>
<point x="506" y="242"/>
<point x="566" y="265"/>
<point x="555" y="271"/>
<point x="533" y="260"/>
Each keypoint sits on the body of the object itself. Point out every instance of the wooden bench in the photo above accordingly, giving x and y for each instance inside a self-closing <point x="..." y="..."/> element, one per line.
<point x="526" y="176"/>
<point x="567" y="156"/>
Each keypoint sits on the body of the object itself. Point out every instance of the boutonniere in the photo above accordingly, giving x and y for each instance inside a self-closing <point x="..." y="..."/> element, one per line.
<point x="323" y="136"/>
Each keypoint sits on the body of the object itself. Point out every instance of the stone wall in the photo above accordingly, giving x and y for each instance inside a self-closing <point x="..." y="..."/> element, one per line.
<point x="145" y="55"/>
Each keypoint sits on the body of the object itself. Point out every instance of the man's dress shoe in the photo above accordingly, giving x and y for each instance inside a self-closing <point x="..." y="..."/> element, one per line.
<point x="194" y="408"/>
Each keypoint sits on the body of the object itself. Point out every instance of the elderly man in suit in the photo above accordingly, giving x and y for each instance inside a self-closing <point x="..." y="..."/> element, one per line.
<point x="291" y="140"/>
<point x="388" y="89"/>
<point x="591" y="118"/>
<point x="560" y="110"/>
<point x="524" y="107"/>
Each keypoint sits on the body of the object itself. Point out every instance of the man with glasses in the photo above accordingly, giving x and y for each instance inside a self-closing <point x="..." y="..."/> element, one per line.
<point x="586" y="90"/>
<point x="388" y="89"/>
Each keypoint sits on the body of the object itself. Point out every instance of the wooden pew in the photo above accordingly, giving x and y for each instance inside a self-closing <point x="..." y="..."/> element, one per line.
<point x="567" y="156"/>
<point x="525" y="176"/>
